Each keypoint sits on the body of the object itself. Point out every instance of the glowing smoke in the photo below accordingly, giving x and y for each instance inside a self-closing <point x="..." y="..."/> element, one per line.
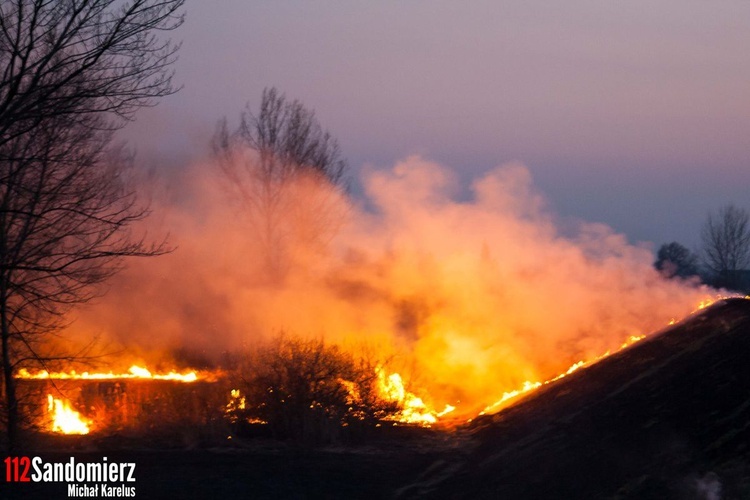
<point x="474" y="296"/>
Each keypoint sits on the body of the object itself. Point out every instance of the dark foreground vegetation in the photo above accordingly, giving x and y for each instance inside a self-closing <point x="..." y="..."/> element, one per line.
<point x="257" y="468"/>
<point x="667" y="418"/>
<point x="302" y="391"/>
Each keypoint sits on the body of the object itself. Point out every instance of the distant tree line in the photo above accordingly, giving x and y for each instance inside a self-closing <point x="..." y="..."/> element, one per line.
<point x="724" y="257"/>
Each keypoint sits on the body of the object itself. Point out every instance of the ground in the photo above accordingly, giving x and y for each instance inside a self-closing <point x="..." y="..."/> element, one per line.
<point x="251" y="468"/>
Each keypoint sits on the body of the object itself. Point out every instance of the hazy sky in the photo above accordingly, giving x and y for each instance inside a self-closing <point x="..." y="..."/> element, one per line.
<point x="632" y="113"/>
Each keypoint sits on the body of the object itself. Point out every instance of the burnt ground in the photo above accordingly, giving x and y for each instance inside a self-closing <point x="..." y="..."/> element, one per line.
<point x="667" y="418"/>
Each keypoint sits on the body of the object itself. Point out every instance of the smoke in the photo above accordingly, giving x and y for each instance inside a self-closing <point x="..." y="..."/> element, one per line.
<point x="707" y="487"/>
<point x="469" y="298"/>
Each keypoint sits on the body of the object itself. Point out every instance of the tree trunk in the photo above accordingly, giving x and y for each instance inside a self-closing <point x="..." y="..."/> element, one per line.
<point x="11" y="402"/>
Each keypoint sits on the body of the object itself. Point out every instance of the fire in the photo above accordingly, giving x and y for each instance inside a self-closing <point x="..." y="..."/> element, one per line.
<point x="415" y="411"/>
<point x="413" y="408"/>
<point x="134" y="372"/>
<point x="65" y="419"/>
<point x="237" y="405"/>
<point x="529" y="386"/>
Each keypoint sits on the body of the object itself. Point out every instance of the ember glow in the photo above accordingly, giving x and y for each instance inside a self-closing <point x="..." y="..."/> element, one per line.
<point x="65" y="420"/>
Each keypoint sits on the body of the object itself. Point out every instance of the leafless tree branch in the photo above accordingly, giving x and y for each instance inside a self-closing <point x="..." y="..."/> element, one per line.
<point x="268" y="158"/>
<point x="71" y="73"/>
<point x="726" y="244"/>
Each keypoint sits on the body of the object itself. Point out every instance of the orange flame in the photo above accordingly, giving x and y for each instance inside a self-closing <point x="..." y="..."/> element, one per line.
<point x="135" y="372"/>
<point x="529" y="386"/>
<point x="66" y="420"/>
<point x="238" y="403"/>
<point x="413" y="408"/>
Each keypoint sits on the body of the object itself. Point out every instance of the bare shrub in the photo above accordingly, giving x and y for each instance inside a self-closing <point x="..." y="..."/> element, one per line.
<point x="311" y="392"/>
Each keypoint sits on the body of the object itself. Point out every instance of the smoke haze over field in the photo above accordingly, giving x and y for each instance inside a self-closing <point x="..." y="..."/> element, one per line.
<point x="471" y="297"/>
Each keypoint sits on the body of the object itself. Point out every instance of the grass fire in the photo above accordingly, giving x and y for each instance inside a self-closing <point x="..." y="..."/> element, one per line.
<point x="477" y="293"/>
<point x="412" y="320"/>
<point x="290" y="384"/>
<point x="421" y="310"/>
<point x="300" y="389"/>
<point x="65" y="419"/>
<point x="458" y="297"/>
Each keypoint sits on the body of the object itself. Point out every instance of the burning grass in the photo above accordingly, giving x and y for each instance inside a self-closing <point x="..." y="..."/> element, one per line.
<point x="689" y="378"/>
<point x="476" y="295"/>
<point x="529" y="386"/>
<point x="173" y="411"/>
<point x="289" y="388"/>
<point x="311" y="391"/>
<point x="65" y="420"/>
<point x="134" y="372"/>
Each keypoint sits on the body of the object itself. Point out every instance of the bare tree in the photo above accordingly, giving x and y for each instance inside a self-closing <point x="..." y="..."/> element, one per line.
<point x="71" y="72"/>
<point x="726" y="244"/>
<point x="285" y="168"/>
<point x="287" y="138"/>
<point x="73" y="57"/>
<point x="674" y="259"/>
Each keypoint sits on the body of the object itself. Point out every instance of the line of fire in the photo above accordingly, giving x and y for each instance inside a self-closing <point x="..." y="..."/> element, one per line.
<point x="139" y="400"/>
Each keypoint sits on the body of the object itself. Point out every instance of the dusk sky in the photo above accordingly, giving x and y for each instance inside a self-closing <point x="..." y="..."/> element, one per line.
<point x="634" y="113"/>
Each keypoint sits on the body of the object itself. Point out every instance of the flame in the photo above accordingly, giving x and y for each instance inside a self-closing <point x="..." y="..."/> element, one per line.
<point x="413" y="408"/>
<point x="134" y="372"/>
<point x="236" y="406"/>
<point x="66" y="420"/>
<point x="415" y="411"/>
<point x="529" y="386"/>
<point x="237" y="400"/>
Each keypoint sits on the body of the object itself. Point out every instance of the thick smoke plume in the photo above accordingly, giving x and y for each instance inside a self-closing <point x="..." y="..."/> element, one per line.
<point x="469" y="298"/>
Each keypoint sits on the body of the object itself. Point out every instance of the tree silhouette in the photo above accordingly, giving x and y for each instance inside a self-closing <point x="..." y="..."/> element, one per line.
<point x="287" y="171"/>
<point x="673" y="259"/>
<point x="71" y="73"/>
<point x="726" y="245"/>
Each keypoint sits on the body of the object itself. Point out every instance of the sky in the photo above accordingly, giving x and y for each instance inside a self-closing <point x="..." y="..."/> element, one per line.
<point x="633" y="114"/>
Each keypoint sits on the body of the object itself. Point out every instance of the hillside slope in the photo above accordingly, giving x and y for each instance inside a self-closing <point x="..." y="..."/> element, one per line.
<point x="666" y="418"/>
